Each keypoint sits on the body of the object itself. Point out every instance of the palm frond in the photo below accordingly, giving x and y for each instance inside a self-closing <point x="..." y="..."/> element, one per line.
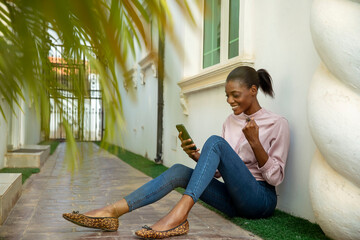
<point x="105" y="33"/>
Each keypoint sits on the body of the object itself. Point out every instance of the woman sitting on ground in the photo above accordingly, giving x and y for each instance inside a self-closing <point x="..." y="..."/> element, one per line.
<point x="250" y="156"/>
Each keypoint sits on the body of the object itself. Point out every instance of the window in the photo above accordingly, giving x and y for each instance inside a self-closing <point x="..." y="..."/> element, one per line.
<point x="225" y="43"/>
<point x="221" y="31"/>
<point x="211" y="33"/>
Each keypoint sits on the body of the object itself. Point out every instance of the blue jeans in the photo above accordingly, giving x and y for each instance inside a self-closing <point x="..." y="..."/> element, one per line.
<point x="239" y="195"/>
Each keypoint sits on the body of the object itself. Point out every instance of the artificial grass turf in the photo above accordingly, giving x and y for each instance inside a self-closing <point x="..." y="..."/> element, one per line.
<point x="280" y="226"/>
<point x="138" y="162"/>
<point x="25" y="172"/>
<point x="53" y="144"/>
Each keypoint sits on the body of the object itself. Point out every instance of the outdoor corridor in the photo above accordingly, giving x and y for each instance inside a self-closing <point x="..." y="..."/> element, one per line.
<point x="102" y="179"/>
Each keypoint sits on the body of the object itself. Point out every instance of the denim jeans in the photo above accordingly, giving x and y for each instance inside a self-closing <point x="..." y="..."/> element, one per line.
<point x="239" y="195"/>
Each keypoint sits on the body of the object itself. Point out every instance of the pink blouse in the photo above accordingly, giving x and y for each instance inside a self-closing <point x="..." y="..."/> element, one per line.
<point x="274" y="136"/>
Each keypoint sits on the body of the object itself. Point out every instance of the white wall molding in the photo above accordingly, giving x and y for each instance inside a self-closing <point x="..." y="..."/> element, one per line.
<point x="211" y="77"/>
<point x="184" y="103"/>
<point x="147" y="62"/>
<point x="131" y="77"/>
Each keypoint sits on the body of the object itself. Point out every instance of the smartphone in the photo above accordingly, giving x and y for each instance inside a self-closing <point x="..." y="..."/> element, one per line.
<point x="185" y="135"/>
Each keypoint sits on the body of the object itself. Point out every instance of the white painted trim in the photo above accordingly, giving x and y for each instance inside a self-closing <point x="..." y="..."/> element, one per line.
<point x="22" y="123"/>
<point x="202" y="11"/>
<point x="183" y="104"/>
<point x="246" y="13"/>
<point x="147" y="61"/>
<point x="212" y="76"/>
<point x="242" y="20"/>
<point x="224" y="31"/>
<point x="131" y="75"/>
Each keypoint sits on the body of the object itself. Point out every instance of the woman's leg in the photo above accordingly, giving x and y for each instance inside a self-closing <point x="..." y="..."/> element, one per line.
<point x="243" y="188"/>
<point x="217" y="196"/>
<point x="176" y="176"/>
<point x="251" y="198"/>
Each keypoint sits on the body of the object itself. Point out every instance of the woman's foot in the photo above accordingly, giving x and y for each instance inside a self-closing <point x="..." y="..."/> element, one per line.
<point x="168" y="222"/>
<point x="114" y="210"/>
<point x="103" y="223"/>
<point x="101" y="212"/>
<point x="149" y="233"/>
<point x="105" y="218"/>
<point x="176" y="216"/>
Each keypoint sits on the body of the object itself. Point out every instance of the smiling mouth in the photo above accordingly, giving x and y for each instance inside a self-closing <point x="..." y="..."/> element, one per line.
<point x="234" y="107"/>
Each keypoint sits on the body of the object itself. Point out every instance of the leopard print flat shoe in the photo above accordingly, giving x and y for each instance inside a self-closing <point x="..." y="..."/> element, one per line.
<point x="148" y="232"/>
<point x="103" y="223"/>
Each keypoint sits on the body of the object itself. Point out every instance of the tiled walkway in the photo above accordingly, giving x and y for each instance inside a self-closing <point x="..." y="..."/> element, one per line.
<point x="102" y="179"/>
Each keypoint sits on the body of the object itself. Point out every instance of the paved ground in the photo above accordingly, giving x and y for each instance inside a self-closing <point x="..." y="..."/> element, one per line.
<point x="102" y="179"/>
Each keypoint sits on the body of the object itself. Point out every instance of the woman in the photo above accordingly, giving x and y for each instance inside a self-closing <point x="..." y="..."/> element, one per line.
<point x="250" y="156"/>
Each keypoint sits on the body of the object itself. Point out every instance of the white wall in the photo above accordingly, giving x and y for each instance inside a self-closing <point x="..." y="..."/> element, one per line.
<point x="140" y="113"/>
<point x="31" y="125"/>
<point x="3" y="132"/>
<point x="282" y="44"/>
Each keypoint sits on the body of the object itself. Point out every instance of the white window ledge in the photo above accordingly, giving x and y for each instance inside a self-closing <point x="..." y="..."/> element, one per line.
<point x="212" y="76"/>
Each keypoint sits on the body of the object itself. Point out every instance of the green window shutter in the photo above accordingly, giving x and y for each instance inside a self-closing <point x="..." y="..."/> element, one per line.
<point x="234" y="28"/>
<point x="211" y="51"/>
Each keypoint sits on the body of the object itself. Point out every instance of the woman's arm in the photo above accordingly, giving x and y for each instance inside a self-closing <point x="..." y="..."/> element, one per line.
<point x="270" y="163"/>
<point x="251" y="132"/>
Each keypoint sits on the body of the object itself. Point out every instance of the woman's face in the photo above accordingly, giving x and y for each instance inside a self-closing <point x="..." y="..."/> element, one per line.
<point x="240" y="97"/>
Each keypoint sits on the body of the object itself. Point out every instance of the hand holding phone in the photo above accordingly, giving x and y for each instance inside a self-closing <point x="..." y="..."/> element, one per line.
<point x="194" y="153"/>
<point x="185" y="135"/>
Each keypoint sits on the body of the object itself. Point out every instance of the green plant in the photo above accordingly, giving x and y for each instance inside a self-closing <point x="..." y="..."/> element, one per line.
<point x="106" y="32"/>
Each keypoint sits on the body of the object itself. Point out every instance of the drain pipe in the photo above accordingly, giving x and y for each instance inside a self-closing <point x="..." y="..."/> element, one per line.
<point x="160" y="115"/>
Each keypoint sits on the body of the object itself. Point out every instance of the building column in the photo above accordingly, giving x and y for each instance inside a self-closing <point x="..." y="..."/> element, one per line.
<point x="334" y="117"/>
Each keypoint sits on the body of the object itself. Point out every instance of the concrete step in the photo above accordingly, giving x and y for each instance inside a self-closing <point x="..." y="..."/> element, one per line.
<point x="29" y="156"/>
<point x="10" y="191"/>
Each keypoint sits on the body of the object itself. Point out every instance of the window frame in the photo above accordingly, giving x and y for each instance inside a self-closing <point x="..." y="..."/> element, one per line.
<point x="215" y="75"/>
<point x="224" y="32"/>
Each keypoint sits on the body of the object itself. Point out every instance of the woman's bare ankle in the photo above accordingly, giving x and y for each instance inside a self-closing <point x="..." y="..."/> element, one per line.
<point x="169" y="221"/>
<point x="114" y="210"/>
<point x="176" y="216"/>
<point x="98" y="213"/>
<point x="102" y="212"/>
